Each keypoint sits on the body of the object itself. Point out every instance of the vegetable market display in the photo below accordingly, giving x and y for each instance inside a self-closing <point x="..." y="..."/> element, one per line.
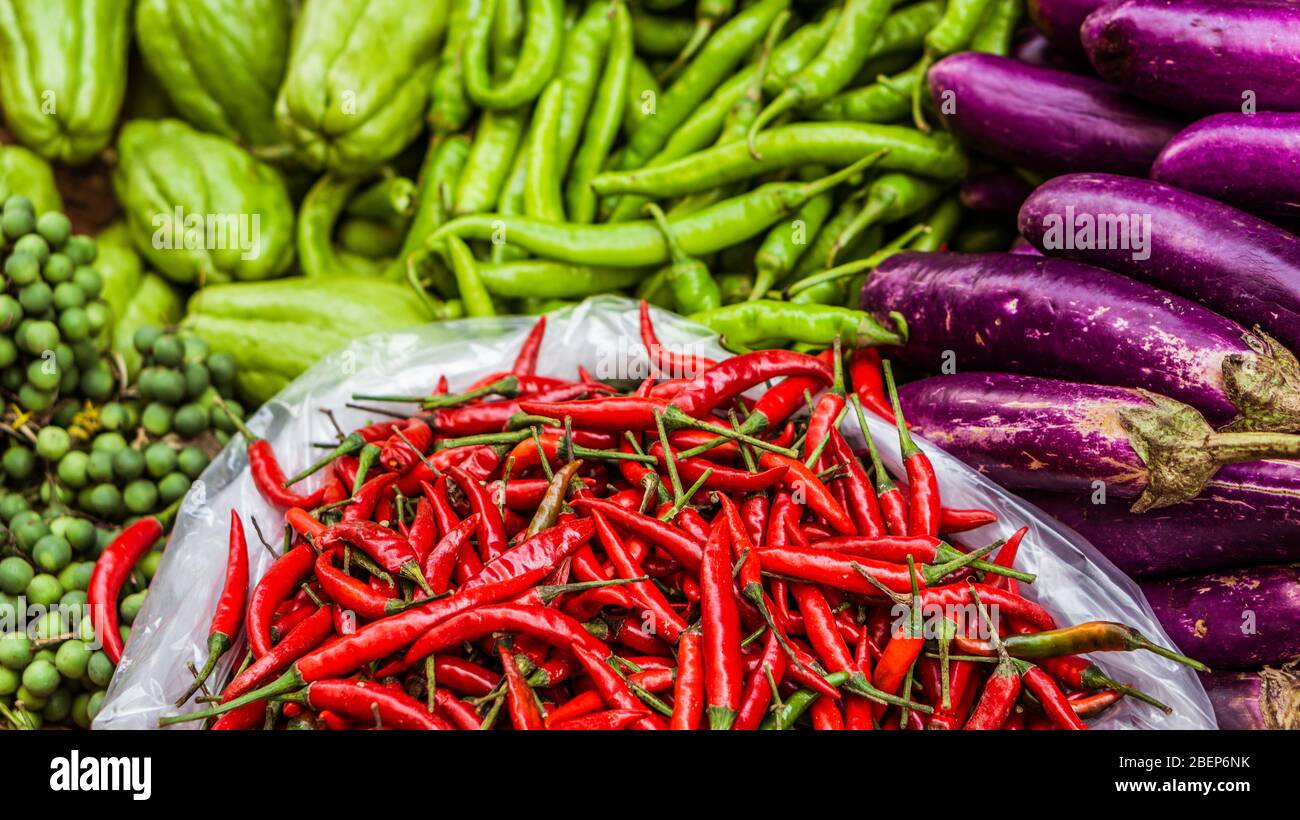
<point x="550" y="553"/>
<point x="1130" y="365"/>
<point x="281" y="178"/>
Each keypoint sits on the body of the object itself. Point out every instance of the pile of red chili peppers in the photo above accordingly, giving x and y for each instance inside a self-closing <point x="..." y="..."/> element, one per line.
<point x="706" y="551"/>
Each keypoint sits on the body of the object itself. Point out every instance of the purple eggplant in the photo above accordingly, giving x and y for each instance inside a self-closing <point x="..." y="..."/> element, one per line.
<point x="1060" y="21"/>
<point x="1044" y="119"/>
<point x="1028" y="433"/>
<point x="1202" y="56"/>
<point x="1241" y="618"/>
<point x="1205" y="533"/>
<point x="1226" y="259"/>
<point x="1267" y="699"/>
<point x="1024" y="247"/>
<point x="995" y="192"/>
<point x="1051" y="317"/>
<point x="1251" y="161"/>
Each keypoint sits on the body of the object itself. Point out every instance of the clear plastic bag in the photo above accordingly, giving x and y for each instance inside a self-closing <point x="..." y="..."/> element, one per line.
<point x="1075" y="582"/>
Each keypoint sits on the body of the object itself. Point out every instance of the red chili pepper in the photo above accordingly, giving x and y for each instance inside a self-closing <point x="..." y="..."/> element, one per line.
<point x="584" y="703"/>
<point x="724" y="677"/>
<point x="1008" y="604"/>
<point x="377" y="432"/>
<point x="664" y="619"/>
<point x="663" y="360"/>
<point x="722" y="478"/>
<point x="863" y="504"/>
<point x="1000" y="693"/>
<point x="367" y="498"/>
<point x="1006" y="557"/>
<point x="245" y="718"/>
<point x="543" y="551"/>
<point x="894" y="548"/>
<point x="492" y="417"/>
<point x="526" y="360"/>
<point x="371" y="704"/>
<point x="800" y="478"/>
<point x="464" y="676"/>
<point x="491" y="529"/>
<point x="303" y="523"/>
<point x="423" y="531"/>
<point x="524" y="494"/>
<point x="111" y="571"/>
<point x="840" y="571"/>
<point x="442" y="560"/>
<point x="820" y="627"/>
<point x="688" y="693"/>
<point x="455" y="710"/>
<point x="1054" y="702"/>
<point x="386" y="547"/>
<point x="303" y="638"/>
<point x="758" y="690"/>
<point x="826" y="716"/>
<point x="954" y="521"/>
<point x="279" y="582"/>
<point x="351" y="594"/>
<point x="864" y="372"/>
<point x="681" y="546"/>
<point x="267" y="474"/>
<point x="334" y="491"/>
<point x="609" y="413"/>
<point x="229" y="615"/>
<point x="923" y="500"/>
<point x="728" y="379"/>
<point x="787" y="397"/>
<point x="1091" y="704"/>
<point x="401" y="451"/>
<point x="612" y="688"/>
<point x="524" y="712"/>
<point x="600" y="721"/>
<point x="858" y="712"/>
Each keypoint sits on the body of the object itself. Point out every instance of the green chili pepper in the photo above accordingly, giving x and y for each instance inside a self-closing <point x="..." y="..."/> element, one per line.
<point x="747" y="323"/>
<point x="936" y="156"/>
<point x="496" y="141"/>
<point x="542" y="198"/>
<point x="316" y="219"/>
<point x="850" y="269"/>
<point x="539" y="55"/>
<point x="997" y="28"/>
<point x="513" y="202"/>
<point x="538" y="278"/>
<point x="656" y="290"/>
<point x="834" y="68"/>
<point x="605" y="118"/>
<point x="889" y="99"/>
<point x="692" y="284"/>
<point x="716" y="61"/>
<point x="942" y="222"/>
<point x="450" y="109"/>
<point x="477" y="301"/>
<point x="640" y="244"/>
<point x="368" y="238"/>
<point x="890" y="198"/>
<point x="952" y="33"/>
<point x="443" y="162"/>
<point x="735" y="287"/>
<point x="660" y="35"/>
<point x="709" y="14"/>
<point x="794" y="707"/>
<point x="787" y="241"/>
<point x="643" y="93"/>
<point x="834" y="291"/>
<point x="580" y="62"/>
<point x="903" y="32"/>
<point x="391" y="198"/>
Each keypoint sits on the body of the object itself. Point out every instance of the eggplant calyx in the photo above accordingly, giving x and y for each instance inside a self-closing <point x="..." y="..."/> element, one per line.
<point x="1181" y="452"/>
<point x="1265" y="386"/>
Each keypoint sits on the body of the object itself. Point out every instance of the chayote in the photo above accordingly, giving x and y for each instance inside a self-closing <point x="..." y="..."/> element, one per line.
<point x="276" y="330"/>
<point x="63" y="73"/>
<point x="22" y="172"/>
<point x="135" y="296"/>
<point x="199" y="207"/>
<point x="220" y="61"/>
<point x="357" y="84"/>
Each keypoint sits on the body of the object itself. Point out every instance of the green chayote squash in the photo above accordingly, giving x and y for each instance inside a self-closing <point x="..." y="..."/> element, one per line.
<point x="22" y="172"/>
<point x="357" y="83"/>
<point x="220" y="61"/>
<point x="199" y="207"/>
<point x="276" y="330"/>
<point x="63" y="73"/>
<point x="135" y="296"/>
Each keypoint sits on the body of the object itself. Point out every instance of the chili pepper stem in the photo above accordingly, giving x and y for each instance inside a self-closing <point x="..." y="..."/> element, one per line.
<point x="349" y="445"/>
<point x="675" y="419"/>
<point x="721" y="718"/>
<point x="935" y="572"/>
<point x="218" y="645"/>
<point x="1136" y="640"/>
<point x="282" y="685"/>
<point x="907" y="447"/>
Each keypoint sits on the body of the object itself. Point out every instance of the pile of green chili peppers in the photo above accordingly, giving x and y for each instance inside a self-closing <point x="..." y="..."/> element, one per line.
<point x="745" y="164"/>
